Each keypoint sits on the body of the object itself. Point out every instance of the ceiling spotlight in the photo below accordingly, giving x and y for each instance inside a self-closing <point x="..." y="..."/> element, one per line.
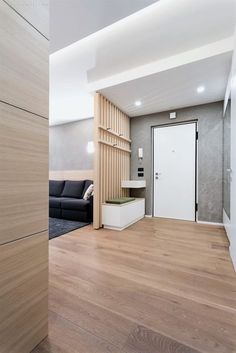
<point x="200" y="89"/>
<point x="138" y="103"/>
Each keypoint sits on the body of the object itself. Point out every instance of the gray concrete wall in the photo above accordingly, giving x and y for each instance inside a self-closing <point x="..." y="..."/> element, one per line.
<point x="67" y="146"/>
<point x="210" y="155"/>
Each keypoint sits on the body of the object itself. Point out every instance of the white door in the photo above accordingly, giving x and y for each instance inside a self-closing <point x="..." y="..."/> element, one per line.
<point x="174" y="171"/>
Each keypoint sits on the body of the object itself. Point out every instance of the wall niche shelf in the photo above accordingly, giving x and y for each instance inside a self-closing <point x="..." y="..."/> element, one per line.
<point x="133" y="184"/>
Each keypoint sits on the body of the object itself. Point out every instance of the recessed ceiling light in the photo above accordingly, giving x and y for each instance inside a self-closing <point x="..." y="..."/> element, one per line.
<point x="138" y="103"/>
<point x="200" y="89"/>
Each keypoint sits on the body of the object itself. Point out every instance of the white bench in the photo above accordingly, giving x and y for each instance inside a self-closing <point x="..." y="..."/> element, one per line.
<point x="119" y="217"/>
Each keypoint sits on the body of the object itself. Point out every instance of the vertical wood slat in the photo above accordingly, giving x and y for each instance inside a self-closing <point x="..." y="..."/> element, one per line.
<point x="97" y="157"/>
<point x="112" y="165"/>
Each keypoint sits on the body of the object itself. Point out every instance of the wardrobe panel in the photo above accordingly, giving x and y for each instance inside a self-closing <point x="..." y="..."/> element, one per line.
<point x="23" y="63"/>
<point x="23" y="293"/>
<point x="35" y="12"/>
<point x="23" y="173"/>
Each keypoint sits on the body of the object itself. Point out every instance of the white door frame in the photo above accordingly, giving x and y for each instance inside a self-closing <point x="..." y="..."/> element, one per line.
<point x="196" y="160"/>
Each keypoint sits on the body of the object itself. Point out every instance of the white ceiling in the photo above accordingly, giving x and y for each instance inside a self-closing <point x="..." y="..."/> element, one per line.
<point x="72" y="20"/>
<point x="158" y="55"/>
<point x="167" y="28"/>
<point x="175" y="88"/>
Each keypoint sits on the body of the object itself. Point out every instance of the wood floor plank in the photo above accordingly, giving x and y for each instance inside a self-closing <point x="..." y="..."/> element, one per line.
<point x="176" y="281"/>
<point x="95" y="319"/>
<point x="65" y="337"/>
<point x="161" y="311"/>
<point x="143" y="340"/>
<point x="159" y="286"/>
<point x="171" y="255"/>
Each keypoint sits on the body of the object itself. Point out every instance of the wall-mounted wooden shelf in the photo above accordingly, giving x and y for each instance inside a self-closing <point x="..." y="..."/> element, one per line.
<point x="114" y="146"/>
<point x="114" y="133"/>
<point x="133" y="184"/>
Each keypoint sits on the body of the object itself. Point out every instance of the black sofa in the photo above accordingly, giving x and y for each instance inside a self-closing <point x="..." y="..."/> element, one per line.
<point x="66" y="200"/>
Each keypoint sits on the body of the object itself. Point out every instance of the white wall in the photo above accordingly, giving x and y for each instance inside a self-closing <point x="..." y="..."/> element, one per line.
<point x="231" y="227"/>
<point x="68" y="146"/>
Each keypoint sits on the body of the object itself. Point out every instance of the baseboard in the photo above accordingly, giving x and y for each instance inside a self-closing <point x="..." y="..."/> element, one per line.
<point x="226" y="222"/>
<point x="148" y="215"/>
<point x="211" y="223"/>
<point x="227" y="226"/>
<point x="122" y="228"/>
<point x="233" y="257"/>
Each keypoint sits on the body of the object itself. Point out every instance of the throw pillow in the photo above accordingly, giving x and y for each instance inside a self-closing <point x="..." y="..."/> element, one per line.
<point x="88" y="192"/>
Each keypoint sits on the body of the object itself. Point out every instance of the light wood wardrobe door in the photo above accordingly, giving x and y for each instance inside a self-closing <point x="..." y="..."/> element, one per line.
<point x="35" y="12"/>
<point x="23" y="293"/>
<point x="23" y="173"/>
<point x="23" y="63"/>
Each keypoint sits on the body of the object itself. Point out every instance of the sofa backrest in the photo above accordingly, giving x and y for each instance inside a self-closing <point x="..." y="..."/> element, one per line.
<point x="73" y="189"/>
<point x="69" y="188"/>
<point x="56" y="187"/>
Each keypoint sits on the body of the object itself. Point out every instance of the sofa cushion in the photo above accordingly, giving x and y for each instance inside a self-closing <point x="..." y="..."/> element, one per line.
<point x="73" y="189"/>
<point x="54" y="202"/>
<point x="56" y="187"/>
<point x="76" y="215"/>
<point x="87" y="183"/>
<point x="54" y="212"/>
<point x="120" y="200"/>
<point x="75" y="204"/>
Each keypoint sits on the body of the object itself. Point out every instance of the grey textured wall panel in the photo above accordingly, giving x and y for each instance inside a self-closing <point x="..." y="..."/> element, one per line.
<point x="210" y="155"/>
<point x="68" y="146"/>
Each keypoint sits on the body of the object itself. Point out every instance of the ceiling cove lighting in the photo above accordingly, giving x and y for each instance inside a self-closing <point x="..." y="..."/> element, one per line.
<point x="200" y="89"/>
<point x="138" y="103"/>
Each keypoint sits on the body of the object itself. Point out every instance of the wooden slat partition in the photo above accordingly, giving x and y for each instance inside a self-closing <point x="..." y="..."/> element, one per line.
<point x="112" y="153"/>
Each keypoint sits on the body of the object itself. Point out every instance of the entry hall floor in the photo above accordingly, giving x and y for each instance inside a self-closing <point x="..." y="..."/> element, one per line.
<point x="161" y="286"/>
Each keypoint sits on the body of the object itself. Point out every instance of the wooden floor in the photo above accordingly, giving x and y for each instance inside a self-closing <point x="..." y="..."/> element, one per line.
<point x="161" y="286"/>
